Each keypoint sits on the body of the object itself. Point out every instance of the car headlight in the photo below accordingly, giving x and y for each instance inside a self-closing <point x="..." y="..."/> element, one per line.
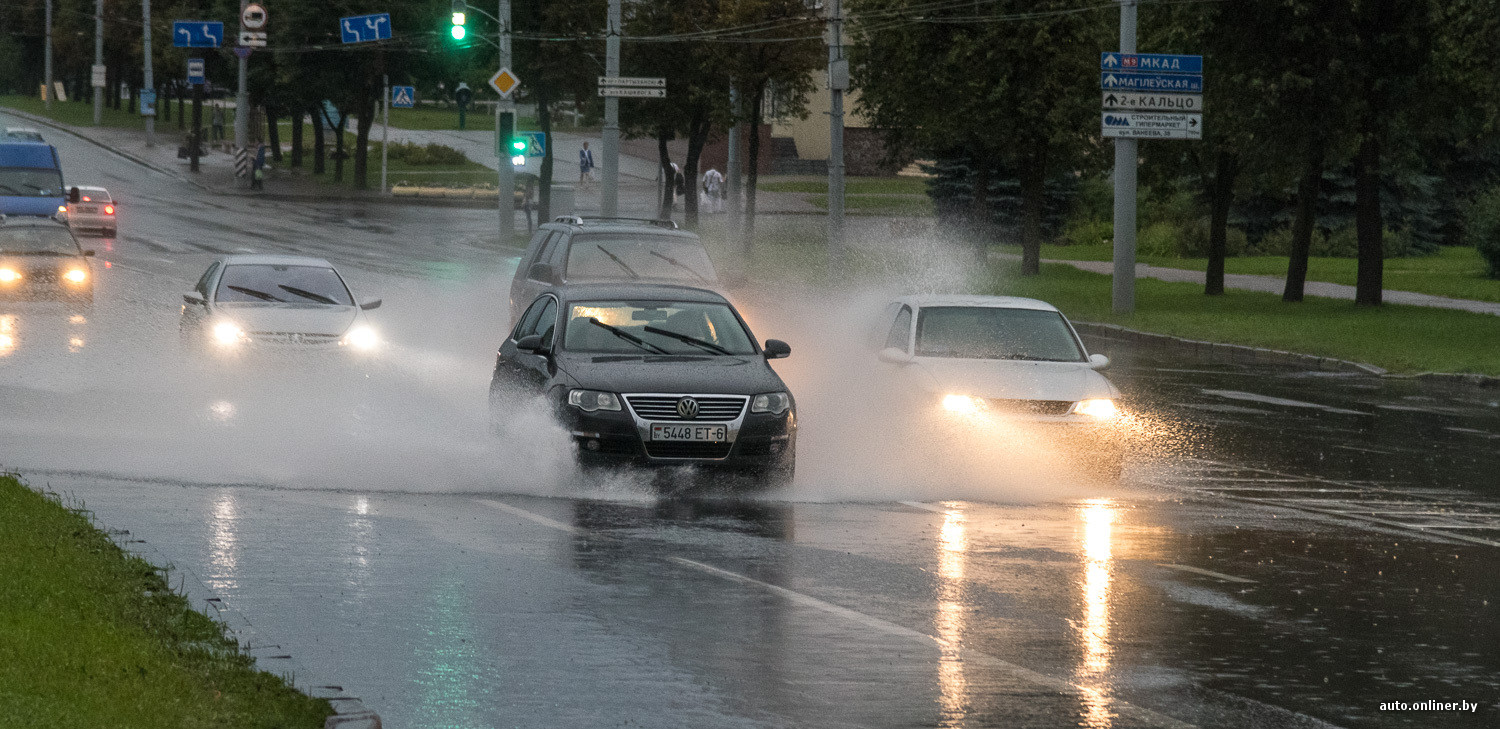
<point x="8" y="275"/>
<point x="1100" y="408"/>
<point x="227" y="333"/>
<point x="774" y="403"/>
<point x="76" y="275"/>
<point x="962" y="404"/>
<point x="593" y="400"/>
<point x="361" y="337"/>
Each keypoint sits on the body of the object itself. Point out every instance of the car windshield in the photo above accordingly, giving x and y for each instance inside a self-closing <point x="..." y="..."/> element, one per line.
<point x="995" y="333"/>
<point x="38" y="239"/>
<point x="655" y="327"/>
<point x="267" y="284"/>
<point x="614" y="258"/>
<point x="93" y="194"/>
<point x="30" y="182"/>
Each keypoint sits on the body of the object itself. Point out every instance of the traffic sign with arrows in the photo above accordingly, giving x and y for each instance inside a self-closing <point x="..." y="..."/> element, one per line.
<point x="1157" y="62"/>
<point x="1126" y="100"/>
<point x="364" y="28"/>
<point x="1170" y="82"/>
<point x="1151" y="125"/>
<point x="197" y="33"/>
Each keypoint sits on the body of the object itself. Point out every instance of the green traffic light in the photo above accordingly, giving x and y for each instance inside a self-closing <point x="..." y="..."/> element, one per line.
<point x="458" y="32"/>
<point x="518" y="144"/>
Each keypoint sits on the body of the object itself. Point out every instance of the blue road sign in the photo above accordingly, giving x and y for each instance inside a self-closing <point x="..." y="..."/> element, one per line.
<point x="148" y="102"/>
<point x="197" y="33"/>
<point x="403" y="97"/>
<point x="1157" y="62"/>
<point x="1172" y="82"/>
<point x="362" y="28"/>
<point x="536" y="143"/>
<point x="195" y="70"/>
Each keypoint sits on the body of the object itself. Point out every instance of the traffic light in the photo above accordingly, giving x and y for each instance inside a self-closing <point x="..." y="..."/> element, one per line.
<point x="459" y="18"/>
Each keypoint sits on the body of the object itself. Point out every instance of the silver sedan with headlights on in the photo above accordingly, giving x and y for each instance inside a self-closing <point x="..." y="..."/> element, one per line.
<point x="1010" y="362"/>
<point x="251" y="302"/>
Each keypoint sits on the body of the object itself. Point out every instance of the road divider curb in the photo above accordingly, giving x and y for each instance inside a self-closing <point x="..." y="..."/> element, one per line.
<point x="1236" y="352"/>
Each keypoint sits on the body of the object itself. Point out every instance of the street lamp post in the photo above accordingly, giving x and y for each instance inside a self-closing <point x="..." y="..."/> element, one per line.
<point x="609" y="143"/>
<point x="1123" y="283"/>
<point x="47" y="63"/>
<point x="98" y="61"/>
<point x="147" y="82"/>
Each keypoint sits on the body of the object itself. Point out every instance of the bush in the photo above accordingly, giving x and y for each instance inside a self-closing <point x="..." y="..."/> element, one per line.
<point x="1340" y="243"/>
<point x="422" y="155"/>
<point x="1089" y="233"/>
<point x="1482" y="228"/>
<point x="1159" y="239"/>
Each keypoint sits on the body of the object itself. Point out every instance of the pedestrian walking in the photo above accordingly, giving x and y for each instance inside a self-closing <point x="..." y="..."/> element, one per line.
<point x="218" y="123"/>
<point x="677" y="182"/>
<point x="712" y="199"/>
<point x="585" y="166"/>
<point x="258" y="170"/>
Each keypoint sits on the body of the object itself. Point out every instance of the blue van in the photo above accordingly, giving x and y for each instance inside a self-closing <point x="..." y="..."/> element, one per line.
<point x="31" y="181"/>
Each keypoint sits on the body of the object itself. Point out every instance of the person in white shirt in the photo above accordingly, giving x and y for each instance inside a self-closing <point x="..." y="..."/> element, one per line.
<point x="712" y="198"/>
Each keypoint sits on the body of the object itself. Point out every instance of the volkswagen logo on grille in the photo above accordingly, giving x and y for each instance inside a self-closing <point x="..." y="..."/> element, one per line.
<point x="688" y="408"/>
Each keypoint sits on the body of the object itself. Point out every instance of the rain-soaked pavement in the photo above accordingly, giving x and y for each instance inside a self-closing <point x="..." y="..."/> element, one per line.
<point x="1289" y="549"/>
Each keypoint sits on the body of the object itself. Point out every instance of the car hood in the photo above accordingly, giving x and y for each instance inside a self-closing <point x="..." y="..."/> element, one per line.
<point x="1013" y="379"/>
<point x="44" y="207"/>
<point x="290" y="318"/>
<point x="686" y="374"/>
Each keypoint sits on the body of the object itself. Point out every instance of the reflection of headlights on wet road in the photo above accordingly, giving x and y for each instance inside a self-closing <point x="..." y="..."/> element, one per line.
<point x="227" y="333"/>
<point x="76" y="275"/>
<point x="1099" y="409"/>
<point x="962" y="404"/>
<point x="361" y="337"/>
<point x="8" y="275"/>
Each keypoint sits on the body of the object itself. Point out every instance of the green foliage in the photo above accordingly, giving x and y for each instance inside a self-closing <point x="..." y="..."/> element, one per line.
<point x="421" y="155"/>
<point x="1342" y="242"/>
<point x="1483" y="230"/>
<point x="952" y="193"/>
<point x="1088" y="232"/>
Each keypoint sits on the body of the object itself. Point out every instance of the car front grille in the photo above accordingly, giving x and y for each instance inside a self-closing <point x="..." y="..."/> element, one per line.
<point x="672" y="449"/>
<point x="1031" y="407"/>
<point x="42" y="275"/>
<point x="711" y="408"/>
<point x="293" y="338"/>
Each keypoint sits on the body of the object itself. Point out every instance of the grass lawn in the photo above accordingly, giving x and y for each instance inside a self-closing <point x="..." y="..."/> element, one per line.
<point x="852" y="185"/>
<point x="78" y="113"/>
<point x="1456" y="272"/>
<point x="912" y="205"/>
<point x="92" y="637"/>
<point x="465" y="174"/>
<point x="434" y="118"/>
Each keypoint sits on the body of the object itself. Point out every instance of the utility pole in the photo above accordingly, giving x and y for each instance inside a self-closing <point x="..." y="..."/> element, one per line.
<point x="242" y="98"/>
<point x="147" y="81"/>
<point x="838" y="80"/>
<point x="732" y="171"/>
<point x="385" y="131"/>
<point x="505" y="124"/>
<point x="98" y="83"/>
<point x="1126" y="155"/>
<point x="49" y="91"/>
<point x="609" y="190"/>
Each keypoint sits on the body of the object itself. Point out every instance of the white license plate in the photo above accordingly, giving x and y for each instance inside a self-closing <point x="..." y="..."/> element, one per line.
<point x="85" y="209"/>
<point x="709" y="433"/>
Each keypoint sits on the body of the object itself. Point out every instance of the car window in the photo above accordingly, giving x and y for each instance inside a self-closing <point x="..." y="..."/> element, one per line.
<point x="534" y="247"/>
<point x="30" y="182"/>
<point x="655" y="327"/>
<point x="545" y="255"/>
<point x="615" y="257"/>
<point x="901" y="330"/>
<point x="540" y="320"/>
<point x="995" y="333"/>
<point x="38" y="239"/>
<point x="270" y="284"/>
<point x="208" y="276"/>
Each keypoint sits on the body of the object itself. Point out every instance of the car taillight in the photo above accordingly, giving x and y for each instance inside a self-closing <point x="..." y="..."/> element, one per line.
<point x="109" y="210"/>
<point x="86" y="198"/>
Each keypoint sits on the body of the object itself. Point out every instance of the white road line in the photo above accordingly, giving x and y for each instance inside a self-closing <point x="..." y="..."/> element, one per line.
<point x="1123" y="708"/>
<point x="524" y="514"/>
<point x="1210" y="573"/>
<point x="1268" y="400"/>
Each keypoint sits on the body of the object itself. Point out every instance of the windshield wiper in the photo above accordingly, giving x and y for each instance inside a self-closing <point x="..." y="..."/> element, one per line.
<point x="616" y="259"/>
<point x="37" y="253"/>
<point x="710" y="346"/>
<point x="307" y="294"/>
<point x="10" y="189"/>
<point x="263" y="296"/>
<point x="627" y="336"/>
<point x="681" y="265"/>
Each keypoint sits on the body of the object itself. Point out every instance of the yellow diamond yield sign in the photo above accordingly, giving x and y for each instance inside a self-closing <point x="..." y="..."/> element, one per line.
<point x="505" y="82"/>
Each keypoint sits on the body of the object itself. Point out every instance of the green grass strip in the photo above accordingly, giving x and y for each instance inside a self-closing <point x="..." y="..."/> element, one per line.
<point x="91" y="636"/>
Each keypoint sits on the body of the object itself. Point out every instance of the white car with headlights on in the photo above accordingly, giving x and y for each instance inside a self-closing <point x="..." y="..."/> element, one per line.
<point x="1009" y="361"/>
<point x="269" y="302"/>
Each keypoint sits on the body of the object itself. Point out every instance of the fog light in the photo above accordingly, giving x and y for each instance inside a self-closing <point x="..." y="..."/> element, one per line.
<point x="591" y="444"/>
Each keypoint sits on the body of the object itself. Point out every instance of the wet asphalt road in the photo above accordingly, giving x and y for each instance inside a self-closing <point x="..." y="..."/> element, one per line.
<point x="1289" y="548"/>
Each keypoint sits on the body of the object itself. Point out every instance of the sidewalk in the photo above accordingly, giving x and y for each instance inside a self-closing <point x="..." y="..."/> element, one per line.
<point x="1275" y="285"/>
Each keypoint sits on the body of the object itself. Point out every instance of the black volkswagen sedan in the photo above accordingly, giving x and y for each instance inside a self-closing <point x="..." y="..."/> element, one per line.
<point x="653" y="375"/>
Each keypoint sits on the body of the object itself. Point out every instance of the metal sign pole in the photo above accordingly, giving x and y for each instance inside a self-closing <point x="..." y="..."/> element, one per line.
<point x="505" y="107"/>
<point x="48" y="92"/>
<point x="385" y="133"/>
<point x="732" y="172"/>
<point x="836" y="140"/>
<point x="98" y="61"/>
<point x="147" y="80"/>
<point x="242" y="99"/>
<point x="609" y="188"/>
<point x="1126" y="155"/>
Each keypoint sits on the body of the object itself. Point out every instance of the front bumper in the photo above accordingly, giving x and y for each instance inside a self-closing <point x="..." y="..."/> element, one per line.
<point x="48" y="288"/>
<point x="756" y="441"/>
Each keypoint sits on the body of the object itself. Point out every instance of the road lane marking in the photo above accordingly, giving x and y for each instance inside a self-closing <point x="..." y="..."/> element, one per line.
<point x="1123" y="708"/>
<point x="1209" y="573"/>
<point x="529" y="516"/>
<point x="1268" y="400"/>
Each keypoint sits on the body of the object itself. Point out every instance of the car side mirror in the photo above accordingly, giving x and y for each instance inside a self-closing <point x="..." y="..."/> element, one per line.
<point x="1098" y="362"/>
<point x="194" y="298"/>
<point x="777" y="349"/>
<point x="541" y="272"/>
<point x="370" y="304"/>
<point x="533" y="343"/>
<point x="74" y="195"/>
<point x="89" y="252"/>
<point x="893" y="355"/>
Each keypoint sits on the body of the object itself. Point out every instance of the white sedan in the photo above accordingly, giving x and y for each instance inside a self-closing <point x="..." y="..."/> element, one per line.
<point x="245" y="302"/>
<point x="1012" y="358"/>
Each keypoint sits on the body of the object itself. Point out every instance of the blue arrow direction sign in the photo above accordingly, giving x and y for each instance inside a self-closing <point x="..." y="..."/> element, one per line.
<point x="1176" y="83"/>
<point x="403" y="97"/>
<point x="1158" y="62"/>
<point x="195" y="70"/>
<point x="197" y="33"/>
<point x="363" y="28"/>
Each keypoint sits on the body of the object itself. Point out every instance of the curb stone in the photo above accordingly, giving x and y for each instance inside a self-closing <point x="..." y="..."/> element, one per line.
<point x="1237" y="352"/>
<point x="44" y="121"/>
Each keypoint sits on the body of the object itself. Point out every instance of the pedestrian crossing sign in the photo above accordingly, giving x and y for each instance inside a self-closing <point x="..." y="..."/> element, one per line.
<point x="536" y="143"/>
<point x="403" y="97"/>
